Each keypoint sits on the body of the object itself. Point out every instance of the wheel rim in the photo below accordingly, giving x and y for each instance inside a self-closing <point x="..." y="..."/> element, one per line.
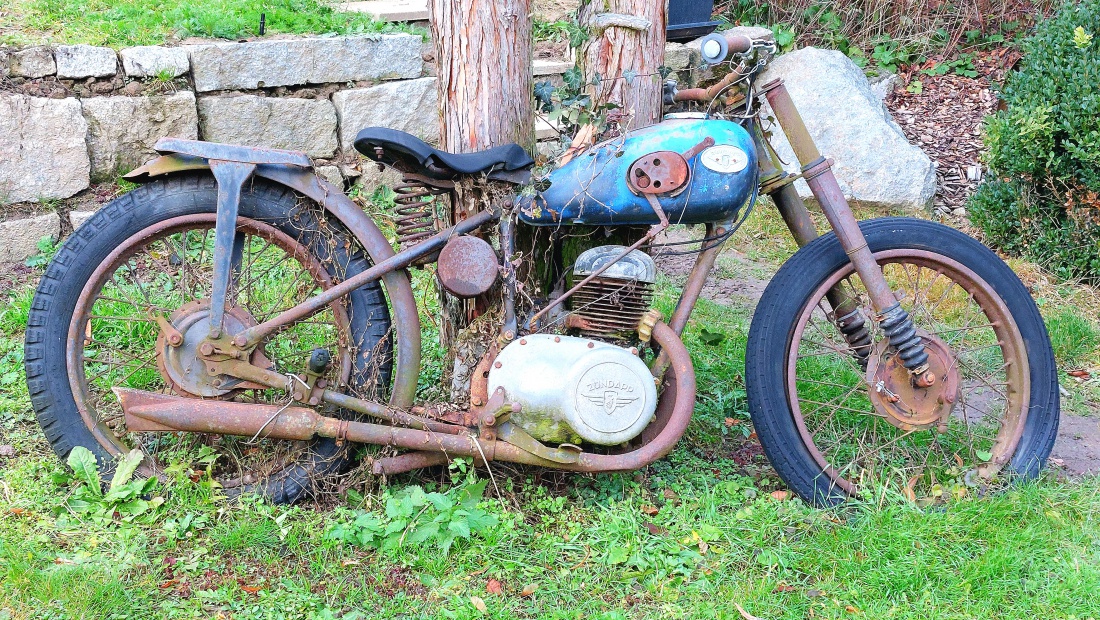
<point x="165" y="271"/>
<point x="841" y="420"/>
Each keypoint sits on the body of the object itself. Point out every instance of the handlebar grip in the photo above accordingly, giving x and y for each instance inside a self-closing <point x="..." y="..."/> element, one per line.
<point x="717" y="46"/>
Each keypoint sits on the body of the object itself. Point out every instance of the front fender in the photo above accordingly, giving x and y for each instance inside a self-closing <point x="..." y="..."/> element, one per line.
<point x="396" y="283"/>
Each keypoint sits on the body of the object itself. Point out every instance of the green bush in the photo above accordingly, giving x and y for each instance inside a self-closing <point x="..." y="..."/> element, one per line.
<point x="1043" y="198"/>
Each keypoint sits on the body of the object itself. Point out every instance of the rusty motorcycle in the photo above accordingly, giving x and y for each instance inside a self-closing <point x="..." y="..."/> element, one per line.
<point x="237" y="305"/>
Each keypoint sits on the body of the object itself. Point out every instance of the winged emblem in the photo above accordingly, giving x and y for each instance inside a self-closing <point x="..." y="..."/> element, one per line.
<point x="610" y="400"/>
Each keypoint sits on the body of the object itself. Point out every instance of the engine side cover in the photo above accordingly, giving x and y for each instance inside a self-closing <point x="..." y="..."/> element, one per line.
<point x="575" y="389"/>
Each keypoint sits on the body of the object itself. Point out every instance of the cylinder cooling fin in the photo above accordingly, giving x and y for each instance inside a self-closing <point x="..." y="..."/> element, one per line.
<point x="612" y="304"/>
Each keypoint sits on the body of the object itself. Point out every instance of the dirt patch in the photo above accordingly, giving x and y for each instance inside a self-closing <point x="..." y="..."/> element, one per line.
<point x="741" y="288"/>
<point x="1077" y="448"/>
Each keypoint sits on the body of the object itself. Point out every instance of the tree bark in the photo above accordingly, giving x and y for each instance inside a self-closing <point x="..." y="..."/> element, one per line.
<point x="483" y="54"/>
<point x="625" y="49"/>
<point x="483" y="59"/>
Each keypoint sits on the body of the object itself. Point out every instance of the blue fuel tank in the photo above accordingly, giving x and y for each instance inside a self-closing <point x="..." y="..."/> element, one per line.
<point x="592" y="189"/>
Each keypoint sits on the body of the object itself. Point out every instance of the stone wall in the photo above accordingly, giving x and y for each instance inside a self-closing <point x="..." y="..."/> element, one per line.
<point x="75" y="115"/>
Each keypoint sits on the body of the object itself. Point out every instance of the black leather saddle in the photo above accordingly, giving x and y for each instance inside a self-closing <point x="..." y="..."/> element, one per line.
<point x="407" y="152"/>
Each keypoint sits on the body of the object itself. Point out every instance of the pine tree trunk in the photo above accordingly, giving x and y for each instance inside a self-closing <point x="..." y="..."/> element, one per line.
<point x="625" y="49"/>
<point x="483" y="60"/>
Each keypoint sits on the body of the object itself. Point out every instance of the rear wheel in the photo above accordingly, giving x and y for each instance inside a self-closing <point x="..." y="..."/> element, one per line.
<point x="833" y="427"/>
<point x="145" y="260"/>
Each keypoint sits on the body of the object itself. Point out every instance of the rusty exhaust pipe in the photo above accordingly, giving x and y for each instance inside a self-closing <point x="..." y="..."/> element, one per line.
<point x="148" y="411"/>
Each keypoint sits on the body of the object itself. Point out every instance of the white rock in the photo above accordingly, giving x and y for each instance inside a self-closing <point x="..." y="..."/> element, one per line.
<point x="873" y="162"/>
<point x="155" y="61"/>
<point x="410" y="106"/>
<point x="289" y="62"/>
<point x="123" y="130"/>
<point x="883" y="84"/>
<point x="331" y="174"/>
<point x="21" y="236"/>
<point x="85" y="61"/>
<point x="76" y="218"/>
<point x="33" y="62"/>
<point x="42" y="149"/>
<point x="282" y="123"/>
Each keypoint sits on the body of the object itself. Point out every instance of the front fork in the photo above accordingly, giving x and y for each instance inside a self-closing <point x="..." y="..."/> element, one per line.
<point x="818" y="173"/>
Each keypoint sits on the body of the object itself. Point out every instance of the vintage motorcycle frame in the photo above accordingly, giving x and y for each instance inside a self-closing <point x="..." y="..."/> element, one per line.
<point x="483" y="432"/>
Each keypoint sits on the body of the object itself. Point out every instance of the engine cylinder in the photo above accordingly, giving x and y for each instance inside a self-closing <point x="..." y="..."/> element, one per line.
<point x="612" y="304"/>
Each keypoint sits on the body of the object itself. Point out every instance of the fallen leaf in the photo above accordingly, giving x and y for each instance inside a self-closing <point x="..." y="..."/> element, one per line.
<point x="752" y="435"/>
<point x="650" y="510"/>
<point x="7" y="450"/>
<point x="168" y="584"/>
<point x="729" y="422"/>
<point x="349" y="562"/>
<point x="494" y="587"/>
<point x="744" y="614"/>
<point x="851" y="609"/>
<point x="1080" y="374"/>
<point x="63" y="561"/>
<point x="529" y="589"/>
<point x="250" y="589"/>
<point x="17" y="511"/>
<point x="781" y="495"/>
<point x="814" y="593"/>
<point x="670" y="494"/>
<point x="784" y="588"/>
<point x="703" y="547"/>
<point x="655" y="529"/>
<point x="908" y="491"/>
<point x="476" y="601"/>
<point x="1058" y="462"/>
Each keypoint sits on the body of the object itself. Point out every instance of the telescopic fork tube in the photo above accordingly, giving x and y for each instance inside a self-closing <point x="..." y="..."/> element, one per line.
<point x="818" y="173"/>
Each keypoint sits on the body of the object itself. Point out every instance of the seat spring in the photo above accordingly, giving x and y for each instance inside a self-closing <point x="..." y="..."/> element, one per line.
<point x="415" y="216"/>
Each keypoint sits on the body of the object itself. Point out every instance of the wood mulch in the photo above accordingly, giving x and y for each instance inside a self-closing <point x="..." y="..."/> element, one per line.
<point x="944" y="116"/>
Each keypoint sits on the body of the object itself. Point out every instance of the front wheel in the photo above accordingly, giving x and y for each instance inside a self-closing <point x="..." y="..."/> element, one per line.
<point x="835" y="423"/>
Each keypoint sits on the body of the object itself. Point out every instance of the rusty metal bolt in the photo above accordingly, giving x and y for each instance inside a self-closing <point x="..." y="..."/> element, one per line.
<point x="175" y="340"/>
<point x="925" y="379"/>
<point x="239" y="341"/>
<point x="633" y="350"/>
<point x="489" y="420"/>
<point x="557" y="338"/>
<point x="497" y="365"/>
<point x="591" y="345"/>
<point x="508" y="335"/>
<point x="207" y="349"/>
<point x="314" y="401"/>
<point x="523" y="341"/>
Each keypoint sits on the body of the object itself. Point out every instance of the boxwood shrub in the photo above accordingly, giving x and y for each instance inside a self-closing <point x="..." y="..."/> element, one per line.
<point x="1042" y="198"/>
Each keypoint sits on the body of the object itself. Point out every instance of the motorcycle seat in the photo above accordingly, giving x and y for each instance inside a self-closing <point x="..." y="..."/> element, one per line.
<point x="393" y="147"/>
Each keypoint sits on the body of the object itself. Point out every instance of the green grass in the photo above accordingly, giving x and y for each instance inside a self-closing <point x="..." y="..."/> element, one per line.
<point x="122" y="23"/>
<point x="693" y="536"/>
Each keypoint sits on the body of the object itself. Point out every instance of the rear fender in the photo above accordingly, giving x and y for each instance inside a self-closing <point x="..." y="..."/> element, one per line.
<point x="295" y="171"/>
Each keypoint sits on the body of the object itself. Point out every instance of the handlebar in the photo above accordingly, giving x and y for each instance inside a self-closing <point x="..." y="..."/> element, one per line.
<point x="717" y="46"/>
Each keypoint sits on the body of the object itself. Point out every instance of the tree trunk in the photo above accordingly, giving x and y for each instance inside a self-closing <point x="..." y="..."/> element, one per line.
<point x="483" y="59"/>
<point x="625" y="49"/>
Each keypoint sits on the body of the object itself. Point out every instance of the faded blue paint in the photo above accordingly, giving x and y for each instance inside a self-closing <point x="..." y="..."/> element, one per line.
<point x="592" y="188"/>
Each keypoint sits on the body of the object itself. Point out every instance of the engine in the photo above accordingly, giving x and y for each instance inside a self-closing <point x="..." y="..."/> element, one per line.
<point x="574" y="390"/>
<point x="587" y="389"/>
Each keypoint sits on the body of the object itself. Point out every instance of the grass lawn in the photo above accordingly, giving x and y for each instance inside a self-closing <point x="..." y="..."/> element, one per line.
<point x="704" y="533"/>
<point x="123" y="23"/>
